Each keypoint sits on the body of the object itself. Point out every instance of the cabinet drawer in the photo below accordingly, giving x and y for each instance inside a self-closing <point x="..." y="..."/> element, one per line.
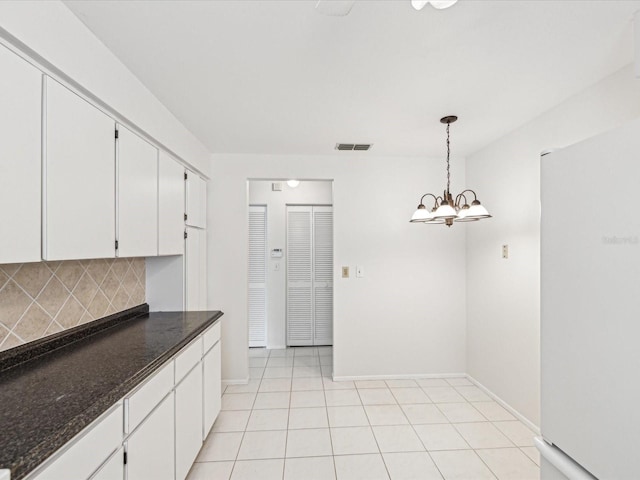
<point x="188" y="358"/>
<point x="211" y="337"/>
<point x="90" y="451"/>
<point x="143" y="400"/>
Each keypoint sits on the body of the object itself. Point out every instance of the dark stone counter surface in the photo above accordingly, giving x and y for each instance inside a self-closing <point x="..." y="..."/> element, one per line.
<point x="52" y="388"/>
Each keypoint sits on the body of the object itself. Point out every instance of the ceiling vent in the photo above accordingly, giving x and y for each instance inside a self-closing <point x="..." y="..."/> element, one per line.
<point x="358" y="147"/>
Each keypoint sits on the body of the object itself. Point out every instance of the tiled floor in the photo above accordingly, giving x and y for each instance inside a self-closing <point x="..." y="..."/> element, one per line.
<point x="293" y="422"/>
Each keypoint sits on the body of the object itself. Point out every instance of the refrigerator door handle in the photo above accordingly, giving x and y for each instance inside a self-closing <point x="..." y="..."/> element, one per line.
<point x="561" y="461"/>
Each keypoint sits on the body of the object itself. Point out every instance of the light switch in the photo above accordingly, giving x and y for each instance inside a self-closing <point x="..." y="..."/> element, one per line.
<point x="505" y="251"/>
<point x="359" y="271"/>
<point x="345" y="272"/>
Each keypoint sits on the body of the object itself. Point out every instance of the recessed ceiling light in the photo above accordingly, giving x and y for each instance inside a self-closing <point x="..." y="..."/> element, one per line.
<point x="293" y="183"/>
<point x="439" y="4"/>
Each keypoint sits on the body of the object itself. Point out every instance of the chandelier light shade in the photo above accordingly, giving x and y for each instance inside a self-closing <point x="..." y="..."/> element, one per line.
<point x="446" y="209"/>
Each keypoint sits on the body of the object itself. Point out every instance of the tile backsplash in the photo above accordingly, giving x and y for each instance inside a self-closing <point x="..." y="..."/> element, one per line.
<point x="39" y="299"/>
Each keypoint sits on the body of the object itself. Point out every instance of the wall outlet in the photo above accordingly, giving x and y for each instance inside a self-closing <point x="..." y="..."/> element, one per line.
<point x="505" y="251"/>
<point x="345" y="272"/>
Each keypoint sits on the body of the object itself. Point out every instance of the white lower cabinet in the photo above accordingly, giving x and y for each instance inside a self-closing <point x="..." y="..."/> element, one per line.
<point x="212" y="387"/>
<point x="188" y="421"/>
<point x="113" y="469"/>
<point x="151" y="447"/>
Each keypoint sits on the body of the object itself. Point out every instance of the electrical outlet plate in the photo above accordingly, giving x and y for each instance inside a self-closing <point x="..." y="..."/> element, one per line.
<point x="505" y="251"/>
<point x="345" y="272"/>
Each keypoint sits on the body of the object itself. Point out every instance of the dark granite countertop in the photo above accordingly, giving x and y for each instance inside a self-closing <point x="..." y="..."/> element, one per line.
<point x="53" y="388"/>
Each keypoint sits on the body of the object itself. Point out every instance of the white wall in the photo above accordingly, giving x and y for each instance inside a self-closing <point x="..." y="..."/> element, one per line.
<point x="56" y="38"/>
<point x="503" y="296"/>
<point x="407" y="315"/>
<point x="261" y="193"/>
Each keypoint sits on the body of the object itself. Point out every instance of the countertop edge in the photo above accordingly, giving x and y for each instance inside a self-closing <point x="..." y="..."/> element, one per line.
<point x="32" y="459"/>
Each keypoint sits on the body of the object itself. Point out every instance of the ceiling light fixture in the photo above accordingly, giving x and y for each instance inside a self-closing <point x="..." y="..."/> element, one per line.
<point x="293" y="183"/>
<point x="438" y="4"/>
<point x="445" y="210"/>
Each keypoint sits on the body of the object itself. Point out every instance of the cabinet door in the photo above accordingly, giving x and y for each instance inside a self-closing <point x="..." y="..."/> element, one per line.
<point x="137" y="196"/>
<point x="79" y="178"/>
<point x="151" y="448"/>
<point x="212" y="385"/>
<point x="192" y="269"/>
<point x="202" y="271"/>
<point x="20" y="150"/>
<point x="196" y="200"/>
<point x="112" y="469"/>
<point x="171" y="206"/>
<point x="188" y="421"/>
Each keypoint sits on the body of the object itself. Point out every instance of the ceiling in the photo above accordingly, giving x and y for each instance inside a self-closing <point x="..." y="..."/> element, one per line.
<point x="278" y="77"/>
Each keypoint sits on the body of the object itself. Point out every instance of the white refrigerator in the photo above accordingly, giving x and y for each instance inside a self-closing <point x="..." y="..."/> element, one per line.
<point x="590" y="294"/>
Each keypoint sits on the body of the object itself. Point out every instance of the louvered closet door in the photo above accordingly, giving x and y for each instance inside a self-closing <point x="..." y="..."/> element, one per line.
<point x="299" y="277"/>
<point x="323" y="275"/>
<point x="257" y="276"/>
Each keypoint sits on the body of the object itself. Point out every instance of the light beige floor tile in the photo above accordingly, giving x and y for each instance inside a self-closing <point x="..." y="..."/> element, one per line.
<point x="329" y="384"/>
<point x="517" y="432"/>
<point x="482" y="435"/>
<point x="353" y="440"/>
<point x="315" y="417"/>
<point x="461" y="465"/>
<point x="220" y="446"/>
<point x="443" y="394"/>
<point x="473" y="394"/>
<point x="282" y="352"/>
<point x="312" y="468"/>
<point x="274" y="419"/>
<point x="258" y="469"/>
<point x="510" y="464"/>
<point x="386" y="415"/>
<point x="258" y="352"/>
<point x="231" y="421"/>
<point x="299" y="372"/>
<point x="440" y="437"/>
<point x="353" y="416"/>
<point x="424" y="414"/>
<point x="238" y="401"/>
<point x="324" y="351"/>
<point x="313" y="398"/>
<point x="306" y="384"/>
<point x="326" y="359"/>
<point x="371" y="384"/>
<point x="210" y="471"/>
<point x="272" y="400"/>
<point x="312" y="442"/>
<point x="402" y="383"/>
<point x="376" y="396"/>
<point x="259" y="445"/>
<point x="327" y="370"/>
<point x="278" y="372"/>
<point x="280" y="362"/>
<point x="306" y="351"/>
<point x="360" y="467"/>
<point x="411" y="466"/>
<point x="397" y="438"/>
<point x="306" y="362"/>
<point x="458" y="381"/>
<point x="532" y="453"/>
<point x="432" y="382"/>
<point x="338" y="398"/>
<point x="492" y="411"/>
<point x="408" y="396"/>
<point x="251" y="387"/>
<point x="255" y="362"/>
<point x="256" y="373"/>
<point x="461" y="412"/>
<point x="275" y="385"/>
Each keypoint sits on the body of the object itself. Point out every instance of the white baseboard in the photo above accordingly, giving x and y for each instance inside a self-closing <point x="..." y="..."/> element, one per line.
<point x="505" y="405"/>
<point x="235" y="381"/>
<point x="343" y="378"/>
<point x="276" y="347"/>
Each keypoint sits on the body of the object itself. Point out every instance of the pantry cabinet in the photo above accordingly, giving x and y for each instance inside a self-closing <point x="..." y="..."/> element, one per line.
<point x="20" y="149"/>
<point x="196" y="202"/>
<point x="79" y="180"/>
<point x="171" y="204"/>
<point x="137" y="207"/>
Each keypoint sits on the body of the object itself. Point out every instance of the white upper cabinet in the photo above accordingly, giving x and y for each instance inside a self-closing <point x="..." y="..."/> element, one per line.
<point x="196" y="201"/>
<point x="137" y="196"/>
<point x="79" y="178"/>
<point x="171" y="206"/>
<point x="20" y="173"/>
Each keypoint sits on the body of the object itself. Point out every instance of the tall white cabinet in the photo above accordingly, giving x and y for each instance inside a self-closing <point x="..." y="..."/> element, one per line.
<point x="171" y="206"/>
<point x="195" y="242"/>
<point x="79" y="178"/>
<point x="20" y="195"/>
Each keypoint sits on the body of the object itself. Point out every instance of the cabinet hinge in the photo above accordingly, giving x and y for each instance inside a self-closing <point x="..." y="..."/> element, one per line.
<point x="116" y="133"/>
<point x="125" y="457"/>
<point x="185" y="175"/>
<point x="185" y="234"/>
<point x="185" y="217"/>
<point x="116" y="244"/>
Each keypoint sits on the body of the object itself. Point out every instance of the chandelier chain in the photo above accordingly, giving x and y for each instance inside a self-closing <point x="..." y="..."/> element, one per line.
<point x="448" y="163"/>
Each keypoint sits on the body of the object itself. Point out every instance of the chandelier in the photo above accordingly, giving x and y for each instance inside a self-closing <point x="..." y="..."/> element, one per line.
<point x="446" y="209"/>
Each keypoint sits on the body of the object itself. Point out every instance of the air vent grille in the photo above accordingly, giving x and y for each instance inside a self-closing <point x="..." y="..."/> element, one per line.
<point x="362" y="147"/>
